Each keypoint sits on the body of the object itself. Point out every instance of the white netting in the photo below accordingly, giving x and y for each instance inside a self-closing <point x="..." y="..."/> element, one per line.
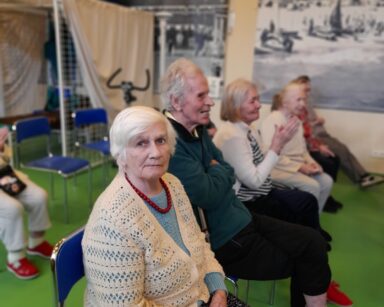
<point x="74" y="94"/>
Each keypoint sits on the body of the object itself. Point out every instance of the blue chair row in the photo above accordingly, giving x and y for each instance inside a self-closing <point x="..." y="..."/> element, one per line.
<point x="30" y="132"/>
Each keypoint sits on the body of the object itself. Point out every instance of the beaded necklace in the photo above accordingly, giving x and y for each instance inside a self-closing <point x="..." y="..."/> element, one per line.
<point x="149" y="201"/>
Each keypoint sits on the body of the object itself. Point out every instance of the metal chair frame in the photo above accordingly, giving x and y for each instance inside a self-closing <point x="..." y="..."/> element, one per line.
<point x="67" y="265"/>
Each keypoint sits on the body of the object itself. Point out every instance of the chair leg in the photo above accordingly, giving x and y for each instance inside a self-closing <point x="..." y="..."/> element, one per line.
<point x="272" y="293"/>
<point x="65" y="201"/>
<point x="105" y="171"/>
<point x="236" y="289"/>
<point x="90" y="187"/>
<point x="247" y="292"/>
<point x="52" y="186"/>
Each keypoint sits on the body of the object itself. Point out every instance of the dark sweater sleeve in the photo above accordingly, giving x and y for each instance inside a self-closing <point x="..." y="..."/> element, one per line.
<point x="218" y="156"/>
<point x="206" y="185"/>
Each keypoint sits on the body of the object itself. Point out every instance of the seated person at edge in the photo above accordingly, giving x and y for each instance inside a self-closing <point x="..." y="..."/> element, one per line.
<point x="31" y="199"/>
<point x="328" y="160"/>
<point x="323" y="155"/>
<point x="249" y="247"/>
<point x="295" y="167"/>
<point x="238" y="141"/>
<point x="142" y="245"/>
<point x="348" y="162"/>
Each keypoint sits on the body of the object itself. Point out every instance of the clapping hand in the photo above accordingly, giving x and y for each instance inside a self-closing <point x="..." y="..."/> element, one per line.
<point x="283" y="134"/>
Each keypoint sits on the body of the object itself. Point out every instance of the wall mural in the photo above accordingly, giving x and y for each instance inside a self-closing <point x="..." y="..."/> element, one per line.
<point x="338" y="43"/>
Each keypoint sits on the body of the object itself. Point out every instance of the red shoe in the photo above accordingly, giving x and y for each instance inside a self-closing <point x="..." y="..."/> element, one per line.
<point x="23" y="269"/>
<point x="335" y="296"/>
<point x="43" y="250"/>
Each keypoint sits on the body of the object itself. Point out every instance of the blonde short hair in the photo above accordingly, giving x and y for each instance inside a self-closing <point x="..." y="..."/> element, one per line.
<point x="234" y="95"/>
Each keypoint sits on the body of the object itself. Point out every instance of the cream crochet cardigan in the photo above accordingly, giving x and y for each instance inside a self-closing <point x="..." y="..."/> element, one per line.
<point x="130" y="260"/>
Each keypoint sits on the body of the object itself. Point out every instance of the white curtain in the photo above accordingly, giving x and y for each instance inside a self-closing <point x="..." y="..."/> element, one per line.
<point x="108" y="37"/>
<point x="22" y="37"/>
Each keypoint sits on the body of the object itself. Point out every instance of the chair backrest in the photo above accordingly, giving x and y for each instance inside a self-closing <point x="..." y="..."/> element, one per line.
<point x="31" y="127"/>
<point x="203" y="223"/>
<point x="91" y="125"/>
<point x="67" y="265"/>
<point x="28" y="129"/>
<point x="90" y="117"/>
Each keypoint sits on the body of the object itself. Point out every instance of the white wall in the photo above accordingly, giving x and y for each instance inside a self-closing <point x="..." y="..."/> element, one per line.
<point x="362" y="132"/>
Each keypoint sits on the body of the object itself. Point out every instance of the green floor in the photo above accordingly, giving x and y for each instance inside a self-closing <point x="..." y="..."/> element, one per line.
<point x="357" y="257"/>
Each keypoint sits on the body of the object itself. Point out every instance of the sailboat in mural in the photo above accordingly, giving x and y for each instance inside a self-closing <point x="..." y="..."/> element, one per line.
<point x="275" y="37"/>
<point x="332" y="29"/>
<point x="335" y="19"/>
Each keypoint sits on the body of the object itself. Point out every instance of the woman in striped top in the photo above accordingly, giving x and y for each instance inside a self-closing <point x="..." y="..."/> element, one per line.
<point x="238" y="140"/>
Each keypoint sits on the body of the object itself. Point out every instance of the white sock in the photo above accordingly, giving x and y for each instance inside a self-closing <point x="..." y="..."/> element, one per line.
<point x="33" y="242"/>
<point x="14" y="256"/>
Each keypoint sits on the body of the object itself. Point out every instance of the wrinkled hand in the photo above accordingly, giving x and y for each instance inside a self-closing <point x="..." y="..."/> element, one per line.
<point x="219" y="299"/>
<point x="283" y="134"/>
<point x="214" y="162"/>
<point x="316" y="168"/>
<point x="310" y="169"/>
<point x="325" y="151"/>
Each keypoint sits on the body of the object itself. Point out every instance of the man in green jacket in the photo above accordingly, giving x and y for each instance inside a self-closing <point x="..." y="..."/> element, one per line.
<point x="259" y="247"/>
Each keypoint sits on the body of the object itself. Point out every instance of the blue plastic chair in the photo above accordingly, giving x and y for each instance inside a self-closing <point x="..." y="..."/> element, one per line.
<point x="66" y="167"/>
<point x="91" y="133"/>
<point x="67" y="265"/>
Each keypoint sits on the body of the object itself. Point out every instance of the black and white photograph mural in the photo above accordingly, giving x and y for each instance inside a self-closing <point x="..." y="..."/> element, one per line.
<point x="339" y="44"/>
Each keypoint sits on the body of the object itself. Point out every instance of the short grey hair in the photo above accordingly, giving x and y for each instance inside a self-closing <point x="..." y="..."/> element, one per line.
<point x="131" y="122"/>
<point x="173" y="83"/>
<point x="234" y="96"/>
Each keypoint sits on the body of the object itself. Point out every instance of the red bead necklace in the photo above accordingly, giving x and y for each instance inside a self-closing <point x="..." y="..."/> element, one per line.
<point x="149" y="201"/>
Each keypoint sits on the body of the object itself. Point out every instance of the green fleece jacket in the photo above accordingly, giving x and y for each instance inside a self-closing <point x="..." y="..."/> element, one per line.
<point x="208" y="186"/>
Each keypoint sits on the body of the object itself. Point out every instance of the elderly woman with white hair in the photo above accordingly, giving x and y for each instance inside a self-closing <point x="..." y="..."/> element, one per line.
<point x="142" y="245"/>
<point x="295" y="168"/>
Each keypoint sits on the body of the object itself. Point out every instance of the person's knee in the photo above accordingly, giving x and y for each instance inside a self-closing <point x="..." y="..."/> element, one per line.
<point x="310" y="202"/>
<point x="14" y="211"/>
<point x="314" y="188"/>
<point x="43" y="196"/>
<point x="40" y="197"/>
<point x="327" y="182"/>
<point x="317" y="246"/>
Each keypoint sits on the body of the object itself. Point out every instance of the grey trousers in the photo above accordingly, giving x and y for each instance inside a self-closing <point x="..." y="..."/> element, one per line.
<point x="34" y="201"/>
<point x="348" y="162"/>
